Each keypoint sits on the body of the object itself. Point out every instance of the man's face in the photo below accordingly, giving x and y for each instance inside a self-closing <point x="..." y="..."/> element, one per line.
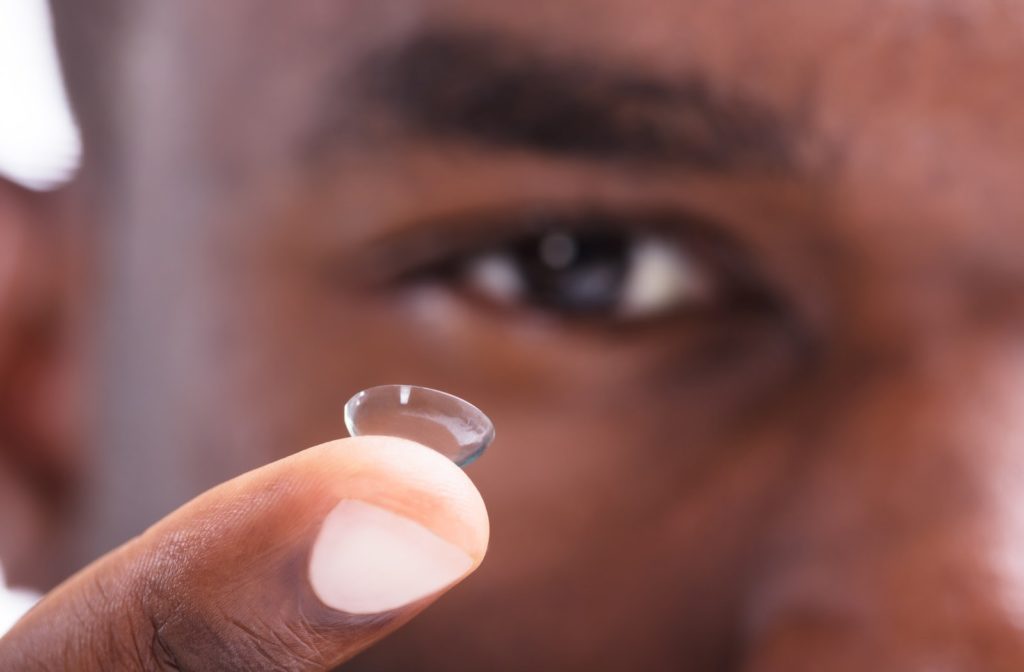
<point x="737" y="282"/>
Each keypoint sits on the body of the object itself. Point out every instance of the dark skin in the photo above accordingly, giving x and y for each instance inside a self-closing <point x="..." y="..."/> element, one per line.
<point x="807" y="464"/>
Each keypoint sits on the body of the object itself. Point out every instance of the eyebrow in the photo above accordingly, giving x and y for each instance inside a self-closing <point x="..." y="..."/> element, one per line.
<point x="497" y="91"/>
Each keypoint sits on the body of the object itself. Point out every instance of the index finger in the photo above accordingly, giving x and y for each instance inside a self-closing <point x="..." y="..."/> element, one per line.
<point x="298" y="565"/>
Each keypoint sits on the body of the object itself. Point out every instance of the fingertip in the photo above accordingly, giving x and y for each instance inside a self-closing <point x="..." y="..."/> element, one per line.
<point x="411" y="480"/>
<point x="407" y="524"/>
<point x="367" y="560"/>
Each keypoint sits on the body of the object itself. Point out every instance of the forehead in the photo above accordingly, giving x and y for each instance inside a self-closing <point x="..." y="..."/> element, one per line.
<point x="842" y="64"/>
<point x="902" y="101"/>
<point x="791" y="40"/>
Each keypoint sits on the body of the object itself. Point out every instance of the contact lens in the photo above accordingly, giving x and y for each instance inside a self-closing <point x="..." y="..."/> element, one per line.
<point x="451" y="426"/>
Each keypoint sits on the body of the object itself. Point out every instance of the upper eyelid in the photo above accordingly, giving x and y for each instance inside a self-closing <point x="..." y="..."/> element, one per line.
<point x="433" y="243"/>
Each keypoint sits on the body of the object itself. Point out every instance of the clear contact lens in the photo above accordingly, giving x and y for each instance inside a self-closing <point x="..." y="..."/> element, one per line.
<point x="453" y="427"/>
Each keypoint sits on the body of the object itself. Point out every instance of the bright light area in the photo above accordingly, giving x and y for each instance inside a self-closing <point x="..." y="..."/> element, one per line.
<point x="39" y="143"/>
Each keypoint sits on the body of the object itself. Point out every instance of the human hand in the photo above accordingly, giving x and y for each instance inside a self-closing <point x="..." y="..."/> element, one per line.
<point x="298" y="565"/>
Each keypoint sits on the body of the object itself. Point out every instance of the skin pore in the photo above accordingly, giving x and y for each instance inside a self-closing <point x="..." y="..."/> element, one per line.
<point x="804" y="460"/>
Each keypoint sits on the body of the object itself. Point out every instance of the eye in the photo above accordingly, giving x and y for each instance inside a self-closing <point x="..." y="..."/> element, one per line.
<point x="617" y="267"/>
<point x="601" y="273"/>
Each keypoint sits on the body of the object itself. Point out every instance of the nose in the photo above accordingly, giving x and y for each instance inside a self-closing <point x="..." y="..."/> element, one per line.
<point x="901" y="546"/>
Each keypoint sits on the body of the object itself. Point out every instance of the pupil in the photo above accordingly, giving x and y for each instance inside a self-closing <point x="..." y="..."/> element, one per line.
<point x="581" y="273"/>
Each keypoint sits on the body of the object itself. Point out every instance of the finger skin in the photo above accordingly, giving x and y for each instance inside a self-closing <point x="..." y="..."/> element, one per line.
<point x="223" y="582"/>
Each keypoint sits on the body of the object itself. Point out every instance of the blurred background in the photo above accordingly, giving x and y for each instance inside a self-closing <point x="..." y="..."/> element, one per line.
<point x="39" y="144"/>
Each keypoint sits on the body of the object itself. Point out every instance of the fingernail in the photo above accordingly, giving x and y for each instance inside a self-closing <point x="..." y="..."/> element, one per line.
<point x="368" y="560"/>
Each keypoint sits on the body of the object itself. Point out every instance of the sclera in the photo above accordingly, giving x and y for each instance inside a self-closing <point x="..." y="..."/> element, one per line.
<point x="450" y="425"/>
